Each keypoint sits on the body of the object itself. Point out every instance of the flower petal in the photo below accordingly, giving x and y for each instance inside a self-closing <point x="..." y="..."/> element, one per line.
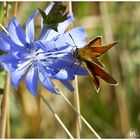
<point x="61" y="63"/>
<point x="61" y="43"/>
<point x="77" y="70"/>
<point x="5" y="42"/>
<point x="46" y="81"/>
<point x="62" y="26"/>
<point x="68" y="85"/>
<point x="67" y="63"/>
<point x="47" y="34"/>
<point x="30" y="27"/>
<point x="48" y="9"/>
<point x="17" y="75"/>
<point x="76" y="36"/>
<point x="46" y="46"/>
<point x="64" y="75"/>
<point x="16" y="32"/>
<point x="31" y="80"/>
<point x="8" y="62"/>
<point x="18" y="52"/>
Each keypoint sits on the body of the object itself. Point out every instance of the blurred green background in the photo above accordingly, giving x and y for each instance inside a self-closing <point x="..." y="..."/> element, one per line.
<point x="114" y="112"/>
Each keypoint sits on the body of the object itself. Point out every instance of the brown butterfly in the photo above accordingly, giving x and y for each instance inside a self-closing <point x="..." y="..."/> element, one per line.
<point x="89" y="55"/>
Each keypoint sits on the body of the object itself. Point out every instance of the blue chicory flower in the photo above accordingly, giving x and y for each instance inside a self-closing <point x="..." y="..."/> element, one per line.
<point x="48" y="57"/>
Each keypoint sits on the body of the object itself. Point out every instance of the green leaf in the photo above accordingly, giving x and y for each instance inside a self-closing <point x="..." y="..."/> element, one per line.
<point x="57" y="15"/>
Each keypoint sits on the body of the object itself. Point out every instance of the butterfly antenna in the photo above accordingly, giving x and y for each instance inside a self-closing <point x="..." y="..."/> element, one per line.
<point x="75" y="52"/>
<point x="73" y="40"/>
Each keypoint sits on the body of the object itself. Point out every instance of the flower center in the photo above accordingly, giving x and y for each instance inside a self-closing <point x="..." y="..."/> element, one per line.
<point x="38" y="56"/>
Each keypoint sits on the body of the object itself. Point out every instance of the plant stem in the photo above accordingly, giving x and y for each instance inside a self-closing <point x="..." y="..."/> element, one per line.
<point x="120" y="93"/>
<point x="4" y="118"/>
<point x="82" y="118"/>
<point x="57" y="117"/>
<point x="16" y="8"/>
<point x="8" y="129"/>
<point x="4" y="107"/>
<point x="77" y="105"/>
<point x="76" y="95"/>
<point x="38" y="114"/>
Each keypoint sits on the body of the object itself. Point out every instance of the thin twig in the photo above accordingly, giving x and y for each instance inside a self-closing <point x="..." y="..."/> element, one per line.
<point x="76" y="95"/>
<point x="83" y="119"/>
<point x="57" y="117"/>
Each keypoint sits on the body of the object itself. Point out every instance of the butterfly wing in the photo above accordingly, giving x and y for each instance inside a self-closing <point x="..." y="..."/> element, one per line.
<point x="91" y="72"/>
<point x="95" y="42"/>
<point x="104" y="75"/>
<point x="89" y="55"/>
<point x="97" y="62"/>
<point x="104" y="48"/>
<point x="97" y="51"/>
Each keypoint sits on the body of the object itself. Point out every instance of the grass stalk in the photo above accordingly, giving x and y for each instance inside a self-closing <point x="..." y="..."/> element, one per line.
<point x="16" y="8"/>
<point x="81" y="117"/>
<point x="120" y="93"/>
<point x="38" y="114"/>
<point x="5" y="116"/>
<point x="8" y="128"/>
<point x="57" y="117"/>
<point x="4" y="107"/>
<point x="76" y="95"/>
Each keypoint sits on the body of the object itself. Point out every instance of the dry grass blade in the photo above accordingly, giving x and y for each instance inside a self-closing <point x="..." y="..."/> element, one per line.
<point x="76" y="96"/>
<point x="78" y="114"/>
<point x="120" y="93"/>
<point x="4" y="118"/>
<point x="57" y="117"/>
<point x="4" y="107"/>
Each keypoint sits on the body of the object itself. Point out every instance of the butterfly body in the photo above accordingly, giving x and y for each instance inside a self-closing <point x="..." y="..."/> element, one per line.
<point x="89" y="56"/>
<point x="85" y="54"/>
